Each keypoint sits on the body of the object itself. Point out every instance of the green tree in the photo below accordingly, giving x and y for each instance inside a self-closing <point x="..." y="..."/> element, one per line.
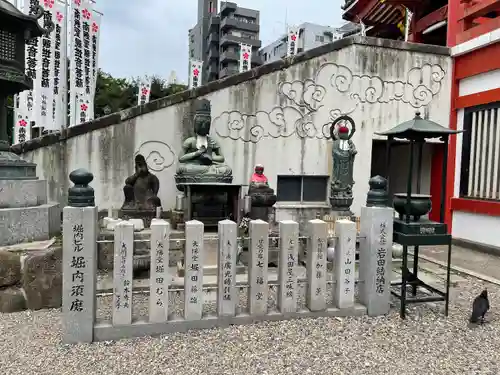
<point x="115" y="94"/>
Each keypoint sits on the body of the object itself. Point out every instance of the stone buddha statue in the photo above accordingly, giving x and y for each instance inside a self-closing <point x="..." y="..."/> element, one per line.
<point x="261" y="194"/>
<point x="141" y="192"/>
<point x="343" y="153"/>
<point x="201" y="159"/>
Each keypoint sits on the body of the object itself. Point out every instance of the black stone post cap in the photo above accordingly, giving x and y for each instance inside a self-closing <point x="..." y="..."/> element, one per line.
<point x="81" y="195"/>
<point x="377" y="195"/>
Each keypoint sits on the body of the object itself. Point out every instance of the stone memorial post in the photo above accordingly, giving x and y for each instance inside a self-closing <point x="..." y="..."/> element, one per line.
<point x="289" y="238"/>
<point x="122" y="273"/>
<point x="227" y="296"/>
<point x="159" y="277"/>
<point x="344" y="259"/>
<point x="79" y="260"/>
<point x="193" y="276"/>
<point x="316" y="265"/>
<point x="375" y="259"/>
<point x="257" y="273"/>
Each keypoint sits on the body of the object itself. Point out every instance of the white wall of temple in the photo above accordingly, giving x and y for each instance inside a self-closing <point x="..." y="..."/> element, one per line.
<point x="280" y="120"/>
<point x="469" y="226"/>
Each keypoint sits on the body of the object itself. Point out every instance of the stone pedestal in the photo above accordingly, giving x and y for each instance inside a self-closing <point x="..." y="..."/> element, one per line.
<point x="211" y="202"/>
<point x="25" y="213"/>
<point x="262" y="199"/>
<point x="145" y="215"/>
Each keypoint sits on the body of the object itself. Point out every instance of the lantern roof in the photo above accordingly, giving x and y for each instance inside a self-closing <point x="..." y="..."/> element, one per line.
<point x="418" y="128"/>
<point x="10" y="12"/>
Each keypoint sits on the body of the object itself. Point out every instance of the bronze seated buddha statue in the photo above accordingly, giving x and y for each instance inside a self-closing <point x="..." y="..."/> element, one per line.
<point x="201" y="159"/>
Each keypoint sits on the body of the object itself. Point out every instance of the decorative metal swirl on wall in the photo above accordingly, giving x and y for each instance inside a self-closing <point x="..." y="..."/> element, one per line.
<point x="421" y="85"/>
<point x="158" y="155"/>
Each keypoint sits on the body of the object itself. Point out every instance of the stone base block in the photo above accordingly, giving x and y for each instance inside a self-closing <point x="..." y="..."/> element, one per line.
<point x="10" y="268"/>
<point x="12" y="300"/>
<point x="28" y="224"/>
<point x="42" y="279"/>
<point x="145" y="215"/>
<point x="22" y="193"/>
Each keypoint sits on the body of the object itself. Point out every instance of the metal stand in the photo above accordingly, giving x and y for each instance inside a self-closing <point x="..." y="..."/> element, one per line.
<point x="412" y="279"/>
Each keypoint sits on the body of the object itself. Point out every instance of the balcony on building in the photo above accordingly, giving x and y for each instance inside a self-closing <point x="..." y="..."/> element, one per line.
<point x="227" y="7"/>
<point x="213" y="38"/>
<point x="228" y="39"/>
<point x="228" y="71"/>
<point x="240" y="23"/>
<point x="213" y="53"/>
<point x="231" y="54"/>
<point x="214" y="23"/>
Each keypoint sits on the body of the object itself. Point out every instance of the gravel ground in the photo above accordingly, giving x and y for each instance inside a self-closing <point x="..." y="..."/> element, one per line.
<point x="425" y="344"/>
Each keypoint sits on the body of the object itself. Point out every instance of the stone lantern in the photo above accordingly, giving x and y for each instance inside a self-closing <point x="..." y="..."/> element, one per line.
<point x="25" y="213"/>
<point x="16" y="28"/>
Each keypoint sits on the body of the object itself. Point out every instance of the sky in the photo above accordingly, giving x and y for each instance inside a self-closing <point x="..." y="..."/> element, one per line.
<point x="150" y="37"/>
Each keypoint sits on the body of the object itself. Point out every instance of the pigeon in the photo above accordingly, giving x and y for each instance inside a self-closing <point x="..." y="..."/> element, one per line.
<point x="410" y="276"/>
<point x="479" y="308"/>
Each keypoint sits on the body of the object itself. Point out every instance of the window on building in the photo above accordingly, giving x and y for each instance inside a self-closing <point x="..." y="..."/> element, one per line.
<point x="302" y="188"/>
<point x="236" y="33"/>
<point x="191" y="53"/>
<point x="480" y="170"/>
<point x="320" y="38"/>
<point x="211" y="8"/>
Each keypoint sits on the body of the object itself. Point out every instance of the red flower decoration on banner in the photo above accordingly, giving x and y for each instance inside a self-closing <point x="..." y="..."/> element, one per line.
<point x="246" y="56"/>
<point x="48" y="3"/>
<point x="196" y="72"/>
<point x="59" y="17"/>
<point x="86" y="14"/>
<point x="22" y="123"/>
<point x="78" y="2"/>
<point x="144" y="91"/>
<point x="293" y="37"/>
<point x="84" y="107"/>
<point x="95" y="27"/>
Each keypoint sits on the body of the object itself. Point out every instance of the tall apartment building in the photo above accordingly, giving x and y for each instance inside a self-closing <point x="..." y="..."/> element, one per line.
<point x="310" y="36"/>
<point x="215" y="39"/>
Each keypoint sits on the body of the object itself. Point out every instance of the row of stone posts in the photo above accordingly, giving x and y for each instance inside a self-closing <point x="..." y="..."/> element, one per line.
<point x="80" y="263"/>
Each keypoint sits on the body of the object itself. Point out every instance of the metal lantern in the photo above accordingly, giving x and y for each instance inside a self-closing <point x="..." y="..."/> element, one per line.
<point x="411" y="228"/>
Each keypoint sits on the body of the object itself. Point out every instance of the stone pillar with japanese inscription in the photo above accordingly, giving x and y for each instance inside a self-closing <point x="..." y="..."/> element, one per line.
<point x="193" y="276"/>
<point x="375" y="259"/>
<point x="122" y="273"/>
<point x="257" y="273"/>
<point x="79" y="269"/>
<point x="316" y="265"/>
<point x="159" y="278"/>
<point x="289" y="237"/>
<point x="344" y="260"/>
<point x="227" y="296"/>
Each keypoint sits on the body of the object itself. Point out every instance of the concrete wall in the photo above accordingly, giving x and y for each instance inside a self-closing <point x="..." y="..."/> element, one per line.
<point x="473" y="227"/>
<point x="277" y="115"/>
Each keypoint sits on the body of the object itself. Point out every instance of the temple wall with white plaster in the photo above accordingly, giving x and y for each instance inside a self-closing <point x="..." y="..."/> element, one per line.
<point x="280" y="119"/>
